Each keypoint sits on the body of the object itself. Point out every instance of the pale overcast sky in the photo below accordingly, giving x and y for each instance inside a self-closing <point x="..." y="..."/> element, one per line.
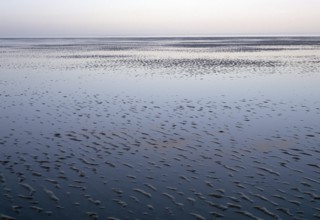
<point x="53" y="18"/>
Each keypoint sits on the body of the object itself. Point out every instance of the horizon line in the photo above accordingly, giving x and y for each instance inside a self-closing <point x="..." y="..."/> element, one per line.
<point x="161" y="36"/>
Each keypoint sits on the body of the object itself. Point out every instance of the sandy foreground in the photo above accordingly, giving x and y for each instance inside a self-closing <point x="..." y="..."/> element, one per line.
<point x="160" y="128"/>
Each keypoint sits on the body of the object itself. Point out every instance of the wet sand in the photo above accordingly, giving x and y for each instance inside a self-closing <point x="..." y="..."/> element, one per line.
<point x="160" y="128"/>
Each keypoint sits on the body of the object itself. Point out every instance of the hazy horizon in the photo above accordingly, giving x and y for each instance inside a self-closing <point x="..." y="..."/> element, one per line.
<point x="164" y="36"/>
<point x="96" y="18"/>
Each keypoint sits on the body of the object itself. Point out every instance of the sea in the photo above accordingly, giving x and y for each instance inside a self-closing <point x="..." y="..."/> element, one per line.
<point x="160" y="128"/>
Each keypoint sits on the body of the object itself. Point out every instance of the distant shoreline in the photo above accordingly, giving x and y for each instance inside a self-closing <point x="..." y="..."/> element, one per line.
<point x="165" y="37"/>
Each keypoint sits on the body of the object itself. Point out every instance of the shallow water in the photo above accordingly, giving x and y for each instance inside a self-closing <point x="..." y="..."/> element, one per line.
<point x="160" y="128"/>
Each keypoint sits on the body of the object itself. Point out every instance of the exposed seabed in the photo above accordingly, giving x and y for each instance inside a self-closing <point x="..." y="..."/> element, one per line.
<point x="160" y="128"/>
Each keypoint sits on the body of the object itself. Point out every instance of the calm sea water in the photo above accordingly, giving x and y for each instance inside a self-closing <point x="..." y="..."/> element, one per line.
<point x="160" y="128"/>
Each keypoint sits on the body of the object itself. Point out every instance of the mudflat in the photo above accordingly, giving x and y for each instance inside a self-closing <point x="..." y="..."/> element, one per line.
<point x="160" y="128"/>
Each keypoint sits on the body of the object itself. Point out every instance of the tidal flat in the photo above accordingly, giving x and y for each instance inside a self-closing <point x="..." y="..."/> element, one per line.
<point x="160" y="128"/>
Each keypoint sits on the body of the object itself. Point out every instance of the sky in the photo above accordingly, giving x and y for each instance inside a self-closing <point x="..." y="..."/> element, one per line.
<point x="102" y="18"/>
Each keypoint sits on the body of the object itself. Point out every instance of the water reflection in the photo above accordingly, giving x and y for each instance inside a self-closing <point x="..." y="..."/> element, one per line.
<point x="160" y="128"/>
